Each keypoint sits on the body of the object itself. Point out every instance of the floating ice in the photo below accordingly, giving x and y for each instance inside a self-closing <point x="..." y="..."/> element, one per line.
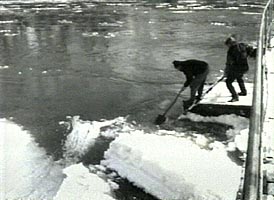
<point x="84" y="135"/>
<point x="5" y="31"/>
<point x="236" y="121"/>
<point x="251" y="13"/>
<point x="218" y="23"/>
<point x="7" y="22"/>
<point x="166" y="164"/>
<point x="26" y="171"/>
<point x="181" y="11"/>
<point x="238" y="135"/>
<point x="64" y="21"/>
<point x="110" y="35"/>
<point x="4" y="67"/>
<point x="93" y="34"/>
<point x="169" y="167"/>
<point x="10" y="34"/>
<point x="117" y="24"/>
<point x="81" y="184"/>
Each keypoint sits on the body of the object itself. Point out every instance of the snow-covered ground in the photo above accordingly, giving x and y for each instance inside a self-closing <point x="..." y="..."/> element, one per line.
<point x="221" y="95"/>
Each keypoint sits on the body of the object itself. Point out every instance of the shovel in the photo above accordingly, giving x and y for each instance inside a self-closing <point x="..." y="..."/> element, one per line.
<point x="161" y="118"/>
<point x="207" y="91"/>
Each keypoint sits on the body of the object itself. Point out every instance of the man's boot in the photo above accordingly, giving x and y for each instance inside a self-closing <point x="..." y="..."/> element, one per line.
<point x="242" y="94"/>
<point x="235" y="98"/>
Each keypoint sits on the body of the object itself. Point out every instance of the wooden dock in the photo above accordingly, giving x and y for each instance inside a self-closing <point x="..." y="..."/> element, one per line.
<point x="220" y="95"/>
<point x="216" y="102"/>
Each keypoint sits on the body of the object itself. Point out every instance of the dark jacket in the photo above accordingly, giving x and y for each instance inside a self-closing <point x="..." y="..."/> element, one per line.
<point x="236" y="60"/>
<point x="191" y="68"/>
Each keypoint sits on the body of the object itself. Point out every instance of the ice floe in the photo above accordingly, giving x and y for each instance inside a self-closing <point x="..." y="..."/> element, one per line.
<point x="80" y="183"/>
<point x="174" y="168"/>
<point x="26" y="171"/>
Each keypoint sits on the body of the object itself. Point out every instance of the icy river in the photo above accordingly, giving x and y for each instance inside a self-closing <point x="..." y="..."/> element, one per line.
<point x="111" y="65"/>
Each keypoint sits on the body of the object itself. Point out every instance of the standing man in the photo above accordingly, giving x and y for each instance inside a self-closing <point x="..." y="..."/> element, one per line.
<point x="196" y="72"/>
<point x="236" y="66"/>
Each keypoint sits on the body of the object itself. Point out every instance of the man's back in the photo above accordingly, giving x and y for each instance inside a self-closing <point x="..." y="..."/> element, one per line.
<point x="193" y="66"/>
<point x="237" y="58"/>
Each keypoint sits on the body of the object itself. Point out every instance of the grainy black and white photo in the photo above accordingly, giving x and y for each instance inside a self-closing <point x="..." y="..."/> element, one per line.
<point x="136" y="100"/>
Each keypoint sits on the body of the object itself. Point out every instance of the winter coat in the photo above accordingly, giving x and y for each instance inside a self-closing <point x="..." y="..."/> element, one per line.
<point x="192" y="68"/>
<point x="236" y="60"/>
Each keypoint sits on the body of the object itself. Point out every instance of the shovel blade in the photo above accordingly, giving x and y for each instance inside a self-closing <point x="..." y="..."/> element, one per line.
<point x="160" y="119"/>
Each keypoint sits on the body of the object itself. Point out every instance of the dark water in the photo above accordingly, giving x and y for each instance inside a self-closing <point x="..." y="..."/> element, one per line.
<point x="104" y="60"/>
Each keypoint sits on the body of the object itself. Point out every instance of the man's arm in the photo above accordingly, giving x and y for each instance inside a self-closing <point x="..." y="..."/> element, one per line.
<point x="189" y="78"/>
<point x="251" y="51"/>
<point x="230" y="61"/>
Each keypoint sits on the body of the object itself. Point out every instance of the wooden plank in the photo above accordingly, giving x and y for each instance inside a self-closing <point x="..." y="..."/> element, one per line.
<point x="220" y="95"/>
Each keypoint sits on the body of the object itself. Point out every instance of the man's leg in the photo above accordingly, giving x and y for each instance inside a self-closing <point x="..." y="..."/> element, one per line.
<point x="241" y="84"/>
<point x="197" y="85"/>
<point x="200" y="90"/>
<point x="229" y="80"/>
<point x="194" y="87"/>
<point x="202" y="83"/>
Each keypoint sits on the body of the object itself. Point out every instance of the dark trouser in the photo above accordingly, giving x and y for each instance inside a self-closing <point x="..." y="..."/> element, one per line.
<point x="231" y="76"/>
<point x="197" y="85"/>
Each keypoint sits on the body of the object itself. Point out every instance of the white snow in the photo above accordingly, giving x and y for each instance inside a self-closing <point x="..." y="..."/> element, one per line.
<point x="4" y="67"/>
<point x="220" y="95"/>
<point x="26" y="171"/>
<point x="84" y="135"/>
<point x="81" y="184"/>
<point x="236" y="121"/>
<point x="166" y="164"/>
<point x="174" y="168"/>
<point x="241" y="140"/>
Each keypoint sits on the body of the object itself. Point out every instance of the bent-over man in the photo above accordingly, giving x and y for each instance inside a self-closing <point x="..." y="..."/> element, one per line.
<point x="196" y="72"/>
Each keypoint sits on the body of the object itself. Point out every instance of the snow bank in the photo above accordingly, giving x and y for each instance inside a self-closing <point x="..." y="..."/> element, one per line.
<point x="26" y="171"/>
<point x="175" y="168"/>
<point x="81" y="184"/>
